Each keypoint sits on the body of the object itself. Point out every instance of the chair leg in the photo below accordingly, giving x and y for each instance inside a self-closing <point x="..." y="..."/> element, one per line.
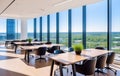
<point x="41" y="58"/>
<point x="100" y="71"/>
<point x="115" y="71"/>
<point x="94" y="74"/>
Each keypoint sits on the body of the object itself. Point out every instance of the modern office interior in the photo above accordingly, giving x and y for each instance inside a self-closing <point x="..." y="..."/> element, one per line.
<point x="38" y="37"/>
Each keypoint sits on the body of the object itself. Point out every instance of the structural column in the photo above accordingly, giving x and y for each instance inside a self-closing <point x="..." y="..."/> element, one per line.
<point x="84" y="26"/>
<point x="24" y="28"/>
<point x="57" y="28"/>
<point x="69" y="28"/>
<point x="35" y="26"/>
<point x="109" y="24"/>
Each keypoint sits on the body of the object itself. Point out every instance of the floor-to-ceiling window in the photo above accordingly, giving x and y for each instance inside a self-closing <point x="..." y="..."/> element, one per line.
<point x="53" y="28"/>
<point x="17" y="29"/>
<point x="96" y="25"/>
<point x="30" y="28"/>
<point x="63" y="28"/>
<point x="38" y="28"/>
<point x="44" y="28"/>
<point x="76" y="25"/>
<point x="116" y="27"/>
<point x="2" y="30"/>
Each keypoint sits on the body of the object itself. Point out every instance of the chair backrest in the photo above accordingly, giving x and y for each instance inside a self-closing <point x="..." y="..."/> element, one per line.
<point x="101" y="48"/>
<point x="58" y="51"/>
<point x="101" y="61"/>
<point x="70" y="49"/>
<point x="88" y="67"/>
<point x="41" y="51"/>
<point x="35" y="39"/>
<point x="48" y="43"/>
<point x="23" y="40"/>
<point x="51" y="50"/>
<point x="110" y="58"/>
<point x="55" y="48"/>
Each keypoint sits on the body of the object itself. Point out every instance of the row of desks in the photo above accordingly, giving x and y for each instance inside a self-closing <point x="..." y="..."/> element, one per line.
<point x="33" y="47"/>
<point x="16" y="44"/>
<point x="68" y="58"/>
<point x="27" y="48"/>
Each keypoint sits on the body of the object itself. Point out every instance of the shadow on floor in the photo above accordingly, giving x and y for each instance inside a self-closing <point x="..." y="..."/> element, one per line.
<point x="38" y="63"/>
<point x="4" y="72"/>
<point x="7" y="51"/>
<point x="6" y="57"/>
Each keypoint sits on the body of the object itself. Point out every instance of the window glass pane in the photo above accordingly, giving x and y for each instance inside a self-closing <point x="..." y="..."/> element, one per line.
<point x="53" y="28"/>
<point x="2" y="30"/>
<point x="30" y="28"/>
<point x="116" y="27"/>
<point x="76" y="25"/>
<point x="63" y="38"/>
<point x="97" y="24"/>
<point x="17" y="29"/>
<point x="44" y="28"/>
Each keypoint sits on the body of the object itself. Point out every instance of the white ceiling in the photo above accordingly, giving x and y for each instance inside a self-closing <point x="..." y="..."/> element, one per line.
<point x="37" y="8"/>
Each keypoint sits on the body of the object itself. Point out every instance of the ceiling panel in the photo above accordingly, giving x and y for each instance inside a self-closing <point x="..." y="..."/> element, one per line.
<point x="37" y="8"/>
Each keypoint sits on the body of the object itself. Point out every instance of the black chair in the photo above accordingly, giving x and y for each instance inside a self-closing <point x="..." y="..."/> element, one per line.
<point x="23" y="40"/>
<point x="70" y="49"/>
<point x="41" y="52"/>
<point x="51" y="50"/>
<point x="87" y="67"/>
<point x="48" y="43"/>
<point x="35" y="39"/>
<point x="101" y="48"/>
<point x="101" y="63"/>
<point x="110" y="60"/>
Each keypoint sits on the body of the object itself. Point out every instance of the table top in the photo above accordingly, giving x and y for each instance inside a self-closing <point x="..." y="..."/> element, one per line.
<point x="94" y="52"/>
<point x="71" y="58"/>
<point x="31" y="47"/>
<point x="35" y="42"/>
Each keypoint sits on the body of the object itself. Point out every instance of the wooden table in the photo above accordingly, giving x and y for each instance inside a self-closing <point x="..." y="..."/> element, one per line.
<point x="70" y="58"/>
<point x="16" y="44"/>
<point x="7" y="42"/>
<point x="33" y="47"/>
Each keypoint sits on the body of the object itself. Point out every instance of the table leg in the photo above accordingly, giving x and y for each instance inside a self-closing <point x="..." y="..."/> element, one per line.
<point x="61" y="71"/>
<point x="74" y="70"/>
<point x="15" y="48"/>
<point x="52" y="66"/>
<point x="28" y="53"/>
<point x="25" y="55"/>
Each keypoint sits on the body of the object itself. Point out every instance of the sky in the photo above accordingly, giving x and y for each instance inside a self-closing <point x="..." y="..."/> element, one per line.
<point x="96" y="19"/>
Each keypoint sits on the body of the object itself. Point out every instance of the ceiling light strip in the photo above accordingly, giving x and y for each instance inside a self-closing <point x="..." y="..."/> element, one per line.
<point x="61" y="3"/>
<point x="7" y="6"/>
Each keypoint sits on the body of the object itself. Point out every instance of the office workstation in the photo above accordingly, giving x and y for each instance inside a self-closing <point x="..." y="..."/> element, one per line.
<point x="59" y="38"/>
